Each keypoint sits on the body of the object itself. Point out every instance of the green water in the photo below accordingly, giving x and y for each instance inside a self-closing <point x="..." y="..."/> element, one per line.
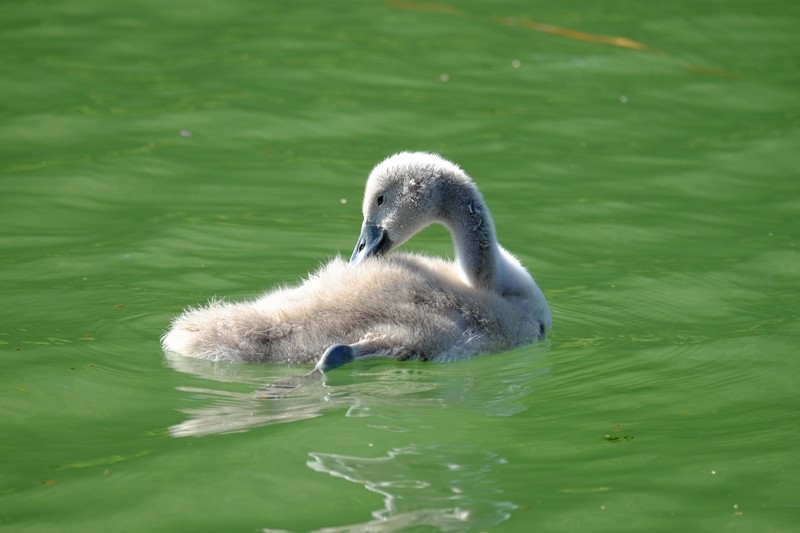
<point x="156" y="154"/>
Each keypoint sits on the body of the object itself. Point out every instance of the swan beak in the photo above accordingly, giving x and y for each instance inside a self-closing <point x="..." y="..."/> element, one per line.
<point x="373" y="241"/>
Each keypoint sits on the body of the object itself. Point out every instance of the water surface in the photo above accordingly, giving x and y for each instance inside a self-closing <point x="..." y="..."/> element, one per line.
<point x="640" y="159"/>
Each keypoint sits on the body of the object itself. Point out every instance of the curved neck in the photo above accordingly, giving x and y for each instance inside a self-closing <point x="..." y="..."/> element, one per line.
<point x="469" y="221"/>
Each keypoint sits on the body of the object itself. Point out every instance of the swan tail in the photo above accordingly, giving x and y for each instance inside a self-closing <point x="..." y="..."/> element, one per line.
<point x="222" y="331"/>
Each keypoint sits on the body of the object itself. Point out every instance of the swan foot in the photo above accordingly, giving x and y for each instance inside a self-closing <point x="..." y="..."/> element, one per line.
<point x="336" y="356"/>
<point x="284" y="387"/>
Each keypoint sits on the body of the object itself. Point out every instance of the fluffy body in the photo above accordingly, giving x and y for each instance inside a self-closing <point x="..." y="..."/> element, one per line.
<point x="398" y="305"/>
<point x="404" y="306"/>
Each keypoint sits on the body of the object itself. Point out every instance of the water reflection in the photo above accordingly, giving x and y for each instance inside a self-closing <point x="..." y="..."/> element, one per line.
<point x="290" y="394"/>
<point x="448" y="488"/>
<point x="232" y="412"/>
<point x="498" y="385"/>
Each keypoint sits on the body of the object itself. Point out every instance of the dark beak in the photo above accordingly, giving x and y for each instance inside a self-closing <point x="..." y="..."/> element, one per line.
<point x="373" y="241"/>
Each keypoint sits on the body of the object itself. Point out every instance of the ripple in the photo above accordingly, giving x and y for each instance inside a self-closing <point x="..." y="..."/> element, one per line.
<point x="449" y="488"/>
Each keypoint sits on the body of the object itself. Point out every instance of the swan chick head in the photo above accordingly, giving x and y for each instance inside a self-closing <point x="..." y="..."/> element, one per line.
<point x="403" y="195"/>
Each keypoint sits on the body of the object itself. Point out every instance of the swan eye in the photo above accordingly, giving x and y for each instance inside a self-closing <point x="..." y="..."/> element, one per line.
<point x="379" y="200"/>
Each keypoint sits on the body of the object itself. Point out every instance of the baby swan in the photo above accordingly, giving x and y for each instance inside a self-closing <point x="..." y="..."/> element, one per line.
<point x="400" y="305"/>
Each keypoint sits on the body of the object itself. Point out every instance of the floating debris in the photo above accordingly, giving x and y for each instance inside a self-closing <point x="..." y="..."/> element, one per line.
<point x="620" y="438"/>
<point x="613" y="40"/>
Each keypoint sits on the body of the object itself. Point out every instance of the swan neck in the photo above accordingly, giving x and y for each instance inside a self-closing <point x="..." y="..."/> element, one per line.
<point x="471" y="225"/>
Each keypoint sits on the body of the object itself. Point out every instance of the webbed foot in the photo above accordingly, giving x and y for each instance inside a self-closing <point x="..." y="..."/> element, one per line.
<point x="285" y="387"/>
<point x="336" y="356"/>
